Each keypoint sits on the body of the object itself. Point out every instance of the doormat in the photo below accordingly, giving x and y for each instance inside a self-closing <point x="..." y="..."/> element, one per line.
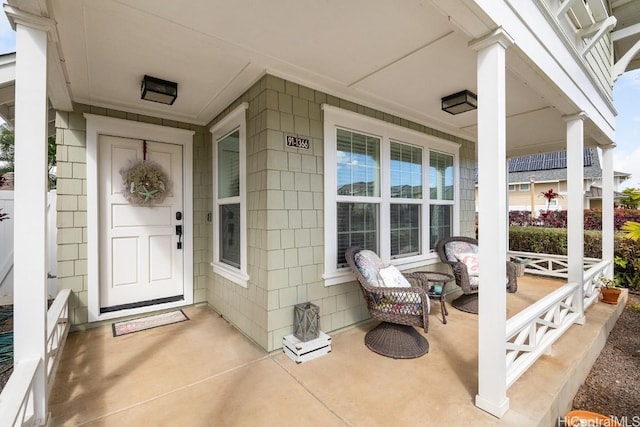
<point x="136" y="325"/>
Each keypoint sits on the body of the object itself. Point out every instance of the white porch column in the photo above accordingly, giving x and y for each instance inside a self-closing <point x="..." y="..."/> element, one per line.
<point x="492" y="222"/>
<point x="607" y="206"/>
<point x="575" y="210"/>
<point x="31" y="180"/>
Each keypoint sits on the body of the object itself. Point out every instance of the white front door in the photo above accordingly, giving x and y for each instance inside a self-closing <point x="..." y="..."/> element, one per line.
<point x="141" y="259"/>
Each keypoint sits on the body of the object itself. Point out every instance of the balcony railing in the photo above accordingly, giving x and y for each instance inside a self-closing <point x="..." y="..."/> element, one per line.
<point x="57" y="331"/>
<point x="546" y="264"/>
<point x="531" y="332"/>
<point x="19" y="398"/>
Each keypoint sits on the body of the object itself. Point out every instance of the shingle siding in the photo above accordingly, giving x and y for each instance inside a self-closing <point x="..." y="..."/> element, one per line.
<point x="71" y="157"/>
<point x="285" y="204"/>
<point x="285" y="211"/>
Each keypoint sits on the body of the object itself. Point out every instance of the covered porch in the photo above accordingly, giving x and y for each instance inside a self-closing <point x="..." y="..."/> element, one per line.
<point x="204" y="371"/>
<point x="298" y="73"/>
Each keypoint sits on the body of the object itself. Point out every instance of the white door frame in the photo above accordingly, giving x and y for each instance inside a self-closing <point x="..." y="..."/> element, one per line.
<point x="101" y="125"/>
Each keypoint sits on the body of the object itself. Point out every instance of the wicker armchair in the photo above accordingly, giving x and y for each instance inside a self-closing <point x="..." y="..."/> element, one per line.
<point x="398" y="308"/>
<point x="447" y="250"/>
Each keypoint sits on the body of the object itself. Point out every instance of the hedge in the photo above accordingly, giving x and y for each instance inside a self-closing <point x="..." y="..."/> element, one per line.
<point x="554" y="241"/>
<point x="558" y="219"/>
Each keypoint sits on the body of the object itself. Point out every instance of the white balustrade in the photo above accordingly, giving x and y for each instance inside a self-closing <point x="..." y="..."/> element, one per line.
<point x="531" y="332"/>
<point x="546" y="264"/>
<point x="57" y="331"/>
<point x="591" y="281"/>
<point x="18" y="399"/>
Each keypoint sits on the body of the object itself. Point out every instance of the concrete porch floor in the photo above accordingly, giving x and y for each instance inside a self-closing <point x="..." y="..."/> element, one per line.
<point x="203" y="372"/>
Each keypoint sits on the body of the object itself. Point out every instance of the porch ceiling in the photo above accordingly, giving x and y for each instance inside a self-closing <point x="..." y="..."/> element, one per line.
<point x="401" y="60"/>
<point x="628" y="14"/>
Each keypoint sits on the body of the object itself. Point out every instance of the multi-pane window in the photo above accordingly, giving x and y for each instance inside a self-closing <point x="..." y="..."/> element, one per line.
<point x="406" y="187"/>
<point x="358" y="164"/>
<point x="441" y="193"/>
<point x="229" y="197"/>
<point x="375" y="174"/>
<point x="358" y="191"/>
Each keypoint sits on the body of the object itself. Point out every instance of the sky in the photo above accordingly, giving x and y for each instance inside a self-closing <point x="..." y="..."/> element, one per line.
<point x="626" y="98"/>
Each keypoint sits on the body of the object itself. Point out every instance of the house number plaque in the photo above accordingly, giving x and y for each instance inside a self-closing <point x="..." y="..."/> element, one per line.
<point x="297" y="142"/>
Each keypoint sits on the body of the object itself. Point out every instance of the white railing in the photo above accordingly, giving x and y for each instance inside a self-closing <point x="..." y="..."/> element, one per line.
<point x="531" y="332"/>
<point x="57" y="331"/>
<point x="591" y="281"/>
<point x="7" y="238"/>
<point x="6" y="248"/>
<point x="546" y="264"/>
<point x="19" y="397"/>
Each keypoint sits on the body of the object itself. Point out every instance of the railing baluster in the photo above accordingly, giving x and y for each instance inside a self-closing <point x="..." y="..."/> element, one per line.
<point x="547" y="319"/>
<point x="18" y="398"/>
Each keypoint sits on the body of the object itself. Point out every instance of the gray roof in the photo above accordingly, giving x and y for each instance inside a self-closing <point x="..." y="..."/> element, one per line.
<point x="551" y="166"/>
<point x="596" y="193"/>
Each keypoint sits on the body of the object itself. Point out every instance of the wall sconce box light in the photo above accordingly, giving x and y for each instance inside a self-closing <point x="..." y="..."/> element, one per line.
<point x="460" y="102"/>
<point x="158" y="90"/>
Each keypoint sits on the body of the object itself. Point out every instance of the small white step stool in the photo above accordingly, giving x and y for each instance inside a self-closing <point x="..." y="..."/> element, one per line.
<point x="301" y="351"/>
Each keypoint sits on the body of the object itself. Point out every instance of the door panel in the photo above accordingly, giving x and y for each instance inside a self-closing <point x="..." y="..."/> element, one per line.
<point x="124" y="253"/>
<point x="130" y="216"/>
<point x="139" y="258"/>
<point x="160" y="250"/>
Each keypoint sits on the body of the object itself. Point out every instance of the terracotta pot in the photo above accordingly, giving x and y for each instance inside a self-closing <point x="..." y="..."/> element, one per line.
<point x="610" y="295"/>
<point x="581" y="418"/>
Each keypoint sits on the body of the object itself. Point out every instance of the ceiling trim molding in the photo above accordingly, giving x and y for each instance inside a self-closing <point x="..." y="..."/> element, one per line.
<point x="57" y="86"/>
<point x="17" y="16"/>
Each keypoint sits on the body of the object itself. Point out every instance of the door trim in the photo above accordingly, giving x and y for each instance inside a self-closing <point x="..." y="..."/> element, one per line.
<point x="101" y="125"/>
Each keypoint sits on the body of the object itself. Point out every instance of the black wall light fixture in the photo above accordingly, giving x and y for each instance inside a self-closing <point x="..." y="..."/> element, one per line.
<point x="158" y="90"/>
<point x="460" y="102"/>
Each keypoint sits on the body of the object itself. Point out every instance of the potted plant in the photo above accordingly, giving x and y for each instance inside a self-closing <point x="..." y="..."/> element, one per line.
<point x="610" y="290"/>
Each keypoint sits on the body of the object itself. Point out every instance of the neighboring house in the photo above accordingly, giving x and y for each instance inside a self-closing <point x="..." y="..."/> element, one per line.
<point x="530" y="176"/>
<point x="298" y="129"/>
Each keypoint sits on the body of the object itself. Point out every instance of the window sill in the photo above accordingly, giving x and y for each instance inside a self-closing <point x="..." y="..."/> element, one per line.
<point x="236" y="276"/>
<point x="344" y="275"/>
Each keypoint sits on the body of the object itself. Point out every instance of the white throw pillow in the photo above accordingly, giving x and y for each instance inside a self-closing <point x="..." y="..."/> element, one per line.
<point x="392" y="278"/>
<point x="471" y="261"/>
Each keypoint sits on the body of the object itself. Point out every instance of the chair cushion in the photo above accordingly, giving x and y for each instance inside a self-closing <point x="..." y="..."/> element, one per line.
<point x="369" y="264"/>
<point x="392" y="278"/>
<point x="451" y="249"/>
<point x="469" y="259"/>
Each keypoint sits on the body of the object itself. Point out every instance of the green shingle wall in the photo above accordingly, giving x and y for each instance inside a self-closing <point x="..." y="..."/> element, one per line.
<point x="285" y="204"/>
<point x="71" y="156"/>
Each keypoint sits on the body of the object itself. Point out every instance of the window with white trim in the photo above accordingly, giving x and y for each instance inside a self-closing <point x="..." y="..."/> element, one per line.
<point x="441" y="190"/>
<point x="375" y="173"/>
<point x="524" y="187"/>
<point x="229" y="196"/>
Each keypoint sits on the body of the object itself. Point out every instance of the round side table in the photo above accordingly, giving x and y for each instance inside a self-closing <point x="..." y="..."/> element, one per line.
<point x="430" y="281"/>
